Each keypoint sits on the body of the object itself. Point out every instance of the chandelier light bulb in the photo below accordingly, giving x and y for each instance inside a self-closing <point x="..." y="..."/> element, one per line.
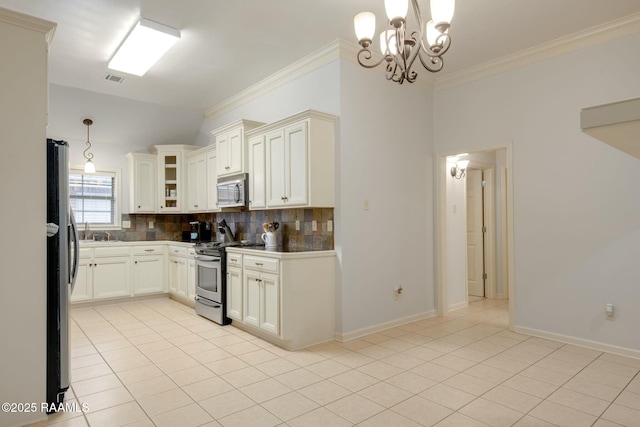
<point x="442" y="11"/>
<point x="432" y="33"/>
<point x="365" y="26"/>
<point x="89" y="167"/>
<point x="388" y="44"/>
<point x="396" y="9"/>
<point x="462" y="164"/>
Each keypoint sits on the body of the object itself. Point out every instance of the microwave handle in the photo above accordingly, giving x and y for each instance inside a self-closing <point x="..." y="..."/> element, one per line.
<point x="237" y="193"/>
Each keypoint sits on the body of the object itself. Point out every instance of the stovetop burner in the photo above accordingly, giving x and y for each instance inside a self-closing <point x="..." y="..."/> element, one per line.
<point x="216" y="247"/>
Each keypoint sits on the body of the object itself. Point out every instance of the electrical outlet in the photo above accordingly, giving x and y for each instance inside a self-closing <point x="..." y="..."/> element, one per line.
<point x="151" y="225"/>
<point x="126" y="224"/>
<point x="329" y="225"/>
<point x="297" y="225"/>
<point x="609" y="313"/>
<point x="314" y="225"/>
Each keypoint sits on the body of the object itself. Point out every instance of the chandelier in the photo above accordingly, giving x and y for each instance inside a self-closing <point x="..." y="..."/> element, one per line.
<point x="399" y="49"/>
<point x="89" y="167"/>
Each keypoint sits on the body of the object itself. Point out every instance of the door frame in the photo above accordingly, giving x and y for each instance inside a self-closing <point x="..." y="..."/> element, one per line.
<point x="441" y="174"/>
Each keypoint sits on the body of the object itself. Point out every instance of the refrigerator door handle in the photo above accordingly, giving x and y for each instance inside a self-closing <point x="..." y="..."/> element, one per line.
<point x="76" y="251"/>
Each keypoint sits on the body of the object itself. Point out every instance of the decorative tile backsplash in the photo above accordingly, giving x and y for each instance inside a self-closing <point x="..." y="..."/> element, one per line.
<point x="245" y="226"/>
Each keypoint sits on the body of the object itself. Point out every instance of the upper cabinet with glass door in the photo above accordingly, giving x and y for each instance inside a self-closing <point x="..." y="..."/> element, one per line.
<point x="171" y="176"/>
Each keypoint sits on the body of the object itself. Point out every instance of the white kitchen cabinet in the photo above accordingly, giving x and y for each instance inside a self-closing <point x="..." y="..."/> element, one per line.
<point x="288" y="298"/>
<point x="299" y="160"/>
<point x="197" y="183"/>
<point x="182" y="274"/>
<point x="111" y="277"/>
<point x="257" y="173"/>
<point x="212" y="180"/>
<point x="191" y="279"/>
<point x="142" y="182"/>
<point x="230" y="150"/>
<point x="83" y="288"/>
<point x="171" y="176"/>
<point x="148" y="269"/>
<point x="234" y="287"/>
<point x="178" y="276"/>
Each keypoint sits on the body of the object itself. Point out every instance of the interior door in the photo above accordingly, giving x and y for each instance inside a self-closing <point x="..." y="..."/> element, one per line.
<point x="475" y="243"/>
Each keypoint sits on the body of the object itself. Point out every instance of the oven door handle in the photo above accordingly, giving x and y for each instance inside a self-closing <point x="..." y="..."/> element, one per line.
<point x="204" y="301"/>
<point x="207" y="258"/>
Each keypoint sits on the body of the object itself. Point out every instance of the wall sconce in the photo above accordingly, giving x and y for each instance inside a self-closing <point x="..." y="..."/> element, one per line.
<point x="89" y="167"/>
<point x="458" y="171"/>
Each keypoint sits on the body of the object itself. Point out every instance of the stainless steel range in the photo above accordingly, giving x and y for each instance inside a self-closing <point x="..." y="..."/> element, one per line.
<point x="211" y="281"/>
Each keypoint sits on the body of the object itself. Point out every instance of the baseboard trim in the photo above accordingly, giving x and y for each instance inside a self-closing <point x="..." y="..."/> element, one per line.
<point x="594" y="345"/>
<point x="359" y="333"/>
<point x="458" y="306"/>
<point x="117" y="300"/>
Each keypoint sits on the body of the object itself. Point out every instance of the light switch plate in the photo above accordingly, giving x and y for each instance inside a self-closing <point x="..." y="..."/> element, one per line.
<point x="329" y="225"/>
<point x="297" y="225"/>
<point x="126" y="224"/>
<point x="314" y="225"/>
<point x="151" y="225"/>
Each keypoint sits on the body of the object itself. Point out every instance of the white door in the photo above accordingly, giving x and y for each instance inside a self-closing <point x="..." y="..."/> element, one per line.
<point x="83" y="290"/>
<point x="212" y="181"/>
<point x="475" y="242"/>
<point x="144" y="181"/>
<point x="222" y="154"/>
<point x="235" y="151"/>
<point x="192" y="182"/>
<point x="111" y="277"/>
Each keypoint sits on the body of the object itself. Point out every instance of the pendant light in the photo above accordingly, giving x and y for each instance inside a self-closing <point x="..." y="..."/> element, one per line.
<point x="89" y="167"/>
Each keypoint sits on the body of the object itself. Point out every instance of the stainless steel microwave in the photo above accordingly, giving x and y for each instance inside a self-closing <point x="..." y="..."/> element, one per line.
<point x="233" y="191"/>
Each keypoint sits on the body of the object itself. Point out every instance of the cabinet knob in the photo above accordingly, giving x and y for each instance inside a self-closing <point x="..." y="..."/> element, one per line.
<point x="138" y="206"/>
<point x="135" y="262"/>
<point x="161" y="207"/>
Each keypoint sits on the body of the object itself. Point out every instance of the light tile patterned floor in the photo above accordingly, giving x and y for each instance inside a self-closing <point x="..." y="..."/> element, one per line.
<point x="156" y="362"/>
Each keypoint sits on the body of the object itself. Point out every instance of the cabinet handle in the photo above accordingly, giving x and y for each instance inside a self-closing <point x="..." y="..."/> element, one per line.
<point x="195" y="206"/>
<point x="259" y="264"/>
<point x="135" y="262"/>
<point x="149" y="250"/>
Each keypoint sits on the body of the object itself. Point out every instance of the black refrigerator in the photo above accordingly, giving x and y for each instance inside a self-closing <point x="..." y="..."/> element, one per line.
<point x="62" y="268"/>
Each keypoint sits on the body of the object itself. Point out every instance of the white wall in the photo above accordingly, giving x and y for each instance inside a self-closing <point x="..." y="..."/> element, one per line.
<point x="385" y="156"/>
<point x="576" y="210"/>
<point x="23" y="194"/>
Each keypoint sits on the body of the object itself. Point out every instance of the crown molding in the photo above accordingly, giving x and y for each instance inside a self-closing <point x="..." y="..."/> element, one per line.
<point x="590" y="37"/>
<point x="311" y="62"/>
<point x="29" y="22"/>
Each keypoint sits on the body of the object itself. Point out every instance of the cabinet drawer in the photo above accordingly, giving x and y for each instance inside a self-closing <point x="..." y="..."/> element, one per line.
<point x="85" y="253"/>
<point x="112" y="251"/>
<point x="147" y="250"/>
<point x="261" y="264"/>
<point x="191" y="252"/>
<point x="178" y="250"/>
<point x="234" y="260"/>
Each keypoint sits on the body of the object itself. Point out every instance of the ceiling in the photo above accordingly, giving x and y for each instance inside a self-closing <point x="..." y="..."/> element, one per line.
<point x="227" y="46"/>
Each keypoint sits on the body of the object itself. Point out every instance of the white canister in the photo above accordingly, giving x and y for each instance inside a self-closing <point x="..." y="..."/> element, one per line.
<point x="269" y="239"/>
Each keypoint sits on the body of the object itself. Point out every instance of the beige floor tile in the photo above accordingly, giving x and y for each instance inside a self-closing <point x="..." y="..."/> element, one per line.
<point x="442" y="346"/>
<point x="411" y="382"/>
<point x="353" y="380"/>
<point x="353" y="359"/>
<point x="489" y="374"/>
<point x="298" y="378"/>
<point x="516" y="400"/>
<point x="328" y="349"/>
<point x="380" y="370"/>
<point x="183" y="341"/>
<point x="106" y="399"/>
<point x="605" y="423"/>
<point x="459" y="420"/>
<point x="190" y="375"/>
<point x="388" y="418"/>
<point x="622" y="360"/>
<point x="491" y="413"/>
<point x="129" y="363"/>
<point x="446" y="396"/>
<point x="241" y="348"/>
<point x="186" y="416"/>
<point x="244" y="376"/>
<point x="434" y="371"/>
<point x="608" y="363"/>
<point x="84" y="350"/>
<point x="562" y="415"/>
<point x="151" y="386"/>
<point x="95" y="385"/>
<point x="158" y="355"/>
<point x="471" y="354"/>
<point x="155" y="346"/>
<point x="547" y="375"/>
<point x="561" y="366"/>
<point x="69" y="422"/>
<point x="591" y="388"/>
<point x="324" y="392"/>
<point x="470" y="384"/>
<point x="255" y="357"/>
<point x="165" y="401"/>
<point x="290" y="406"/>
<point x="355" y="408"/>
<point x="403" y="361"/>
<point x="385" y="394"/>
<point x="62" y="416"/>
<point x="139" y="374"/>
<point x="207" y="388"/>
<point x="226" y="340"/>
<point x="225" y="366"/>
<point x="529" y="421"/>
<point x="320" y="417"/>
<point x="422" y="410"/>
<point x="93" y="371"/>
<point x="504" y="363"/>
<point x="177" y="364"/>
<point x="602" y="377"/>
<point x="85" y="361"/>
<point x="209" y="356"/>
<point x="117" y="415"/>
<point x="530" y="386"/>
<point x="145" y="339"/>
<point x="265" y="390"/>
<point x="256" y="416"/>
<point x="629" y="399"/>
<point x="581" y="402"/>
<point x="121" y="353"/>
<point x="375" y="351"/>
<point x="276" y="367"/>
<point x="226" y="404"/>
<point x="396" y="344"/>
<point x="327" y="368"/>
<point x="634" y="385"/>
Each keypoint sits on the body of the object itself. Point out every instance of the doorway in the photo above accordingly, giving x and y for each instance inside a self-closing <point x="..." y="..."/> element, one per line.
<point x="474" y="236"/>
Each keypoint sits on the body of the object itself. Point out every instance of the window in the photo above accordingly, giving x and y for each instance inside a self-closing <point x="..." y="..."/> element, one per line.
<point x="94" y="197"/>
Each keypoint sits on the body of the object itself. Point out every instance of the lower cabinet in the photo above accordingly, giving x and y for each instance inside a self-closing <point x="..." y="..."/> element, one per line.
<point x="182" y="274"/>
<point x="83" y="287"/>
<point x="111" y="277"/>
<point x="285" y="298"/>
<point x="178" y="275"/>
<point x="148" y="270"/>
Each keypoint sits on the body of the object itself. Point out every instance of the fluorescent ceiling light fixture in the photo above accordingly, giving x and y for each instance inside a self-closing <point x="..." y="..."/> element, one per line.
<point x="143" y="47"/>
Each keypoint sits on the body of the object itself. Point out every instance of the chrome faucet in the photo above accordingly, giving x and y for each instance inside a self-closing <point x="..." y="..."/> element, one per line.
<point x="86" y="231"/>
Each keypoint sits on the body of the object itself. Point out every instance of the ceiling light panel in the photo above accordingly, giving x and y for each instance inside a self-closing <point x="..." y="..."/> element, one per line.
<point x="143" y="47"/>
